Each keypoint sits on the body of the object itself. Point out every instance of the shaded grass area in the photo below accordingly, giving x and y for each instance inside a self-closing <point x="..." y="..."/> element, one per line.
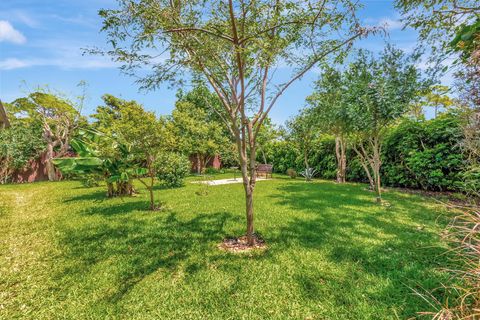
<point x="67" y="252"/>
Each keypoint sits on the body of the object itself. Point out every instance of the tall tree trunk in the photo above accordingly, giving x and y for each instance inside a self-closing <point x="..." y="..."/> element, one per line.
<point x="247" y="165"/>
<point x="307" y="167"/>
<point x="341" y="158"/>
<point x="247" y="184"/>
<point x="365" y="165"/>
<point x="376" y="164"/>
<point x="378" y="187"/>
<point x="199" y="164"/>
<point x="249" y="208"/>
<point x="251" y="185"/>
<point x="52" y="175"/>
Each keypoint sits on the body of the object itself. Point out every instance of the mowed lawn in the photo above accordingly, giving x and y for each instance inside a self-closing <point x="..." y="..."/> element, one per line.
<point x="69" y="253"/>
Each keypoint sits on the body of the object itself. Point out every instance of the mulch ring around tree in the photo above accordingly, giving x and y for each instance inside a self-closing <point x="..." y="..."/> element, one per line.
<point x="239" y="244"/>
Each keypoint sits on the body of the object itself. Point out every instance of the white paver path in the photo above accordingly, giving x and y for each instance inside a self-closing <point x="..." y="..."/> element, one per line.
<point x="225" y="181"/>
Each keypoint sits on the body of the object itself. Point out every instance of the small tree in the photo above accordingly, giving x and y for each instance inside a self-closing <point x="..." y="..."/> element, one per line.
<point x="380" y="92"/>
<point x="198" y="133"/>
<point x="140" y="131"/>
<point x="58" y="118"/>
<point x="333" y="115"/>
<point x="235" y="46"/>
<point x="302" y="132"/>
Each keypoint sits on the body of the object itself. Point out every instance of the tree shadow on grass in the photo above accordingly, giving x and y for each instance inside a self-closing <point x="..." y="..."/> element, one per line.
<point x="122" y="208"/>
<point x="135" y="246"/>
<point x="398" y="245"/>
<point x="97" y="196"/>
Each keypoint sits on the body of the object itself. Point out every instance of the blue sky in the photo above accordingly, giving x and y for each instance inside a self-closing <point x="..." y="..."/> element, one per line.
<point x="41" y="44"/>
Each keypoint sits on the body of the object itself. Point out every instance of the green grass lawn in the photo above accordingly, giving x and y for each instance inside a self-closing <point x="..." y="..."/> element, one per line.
<point x="66" y="252"/>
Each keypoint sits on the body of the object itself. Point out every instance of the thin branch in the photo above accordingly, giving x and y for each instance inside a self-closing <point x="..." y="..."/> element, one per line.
<point x="186" y="29"/>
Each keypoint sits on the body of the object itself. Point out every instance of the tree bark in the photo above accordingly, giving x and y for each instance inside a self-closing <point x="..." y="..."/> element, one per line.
<point x="340" y="153"/>
<point x="343" y="151"/>
<point x="365" y="165"/>
<point x="51" y="173"/>
<point x="376" y="164"/>
<point x="307" y="167"/>
<point x="247" y="165"/>
<point x="152" y="199"/>
<point x="249" y="206"/>
<point x="199" y="164"/>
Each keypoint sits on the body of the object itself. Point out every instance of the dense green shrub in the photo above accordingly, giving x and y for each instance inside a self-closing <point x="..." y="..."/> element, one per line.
<point x="323" y="158"/>
<point x="424" y="154"/>
<point x="282" y="156"/>
<point x="212" y="170"/>
<point x="19" y="144"/>
<point x="172" y="168"/>
<point x="417" y="154"/>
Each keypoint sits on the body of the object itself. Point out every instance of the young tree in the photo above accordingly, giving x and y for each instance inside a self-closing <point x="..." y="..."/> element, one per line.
<point x="437" y="98"/>
<point x="302" y="132"/>
<point x="332" y="114"/>
<point x="235" y="46"/>
<point x="140" y="131"/>
<point x="380" y="91"/>
<point x="59" y="119"/>
<point x="198" y="134"/>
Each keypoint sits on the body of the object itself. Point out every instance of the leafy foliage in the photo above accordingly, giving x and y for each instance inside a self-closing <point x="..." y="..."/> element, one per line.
<point x="116" y="168"/>
<point x="416" y="154"/>
<point x="309" y="173"/>
<point x="171" y="169"/>
<point x="235" y="46"/>
<point x="58" y="117"/>
<point x="302" y="132"/>
<point x="425" y="154"/>
<point x="198" y="133"/>
<point x="19" y="144"/>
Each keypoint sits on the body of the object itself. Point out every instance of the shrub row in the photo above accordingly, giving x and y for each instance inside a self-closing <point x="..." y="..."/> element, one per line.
<point x="416" y="154"/>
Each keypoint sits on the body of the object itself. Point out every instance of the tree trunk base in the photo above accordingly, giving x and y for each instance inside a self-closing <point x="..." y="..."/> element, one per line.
<point x="240" y="244"/>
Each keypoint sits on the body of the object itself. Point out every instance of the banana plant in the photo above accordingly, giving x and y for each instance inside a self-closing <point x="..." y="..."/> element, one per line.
<point x="119" y="170"/>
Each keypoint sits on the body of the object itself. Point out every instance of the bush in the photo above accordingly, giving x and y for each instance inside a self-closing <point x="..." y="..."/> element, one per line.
<point x="416" y="154"/>
<point x="19" y="144"/>
<point x="172" y="168"/>
<point x="292" y="173"/>
<point x="212" y="170"/>
<point x="424" y="154"/>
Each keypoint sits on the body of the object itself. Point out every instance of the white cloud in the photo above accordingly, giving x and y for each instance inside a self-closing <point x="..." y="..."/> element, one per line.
<point x="25" y="18"/>
<point x="390" y="24"/>
<point x="9" y="34"/>
<point x="63" y="63"/>
<point x="12" y="63"/>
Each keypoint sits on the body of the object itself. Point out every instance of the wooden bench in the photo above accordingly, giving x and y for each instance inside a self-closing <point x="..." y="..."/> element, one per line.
<point x="265" y="169"/>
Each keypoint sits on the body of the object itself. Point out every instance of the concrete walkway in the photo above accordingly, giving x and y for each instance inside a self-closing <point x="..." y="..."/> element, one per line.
<point x="225" y="181"/>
